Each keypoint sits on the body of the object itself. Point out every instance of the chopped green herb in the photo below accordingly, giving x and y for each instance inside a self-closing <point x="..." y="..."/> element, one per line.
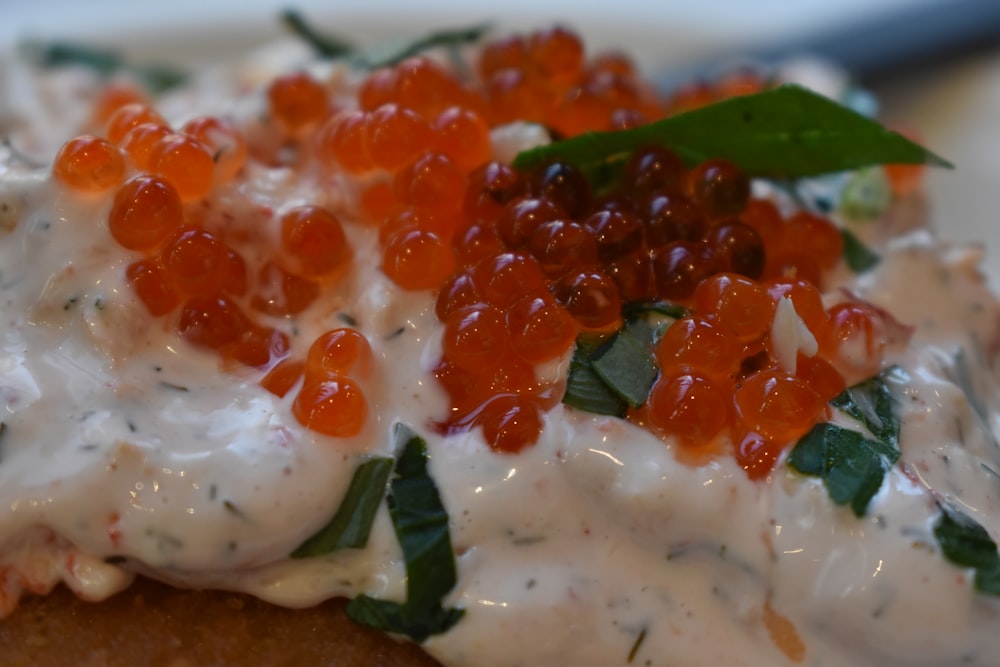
<point x="626" y="366"/>
<point x="607" y="376"/>
<point x="853" y="466"/>
<point x="325" y="46"/>
<point x="963" y="541"/>
<point x="966" y="543"/>
<point x="383" y="55"/>
<point x="389" y="54"/>
<point x="585" y="390"/>
<point x="858" y="256"/>
<point x="351" y="524"/>
<point x="421" y="524"/>
<point x="400" y="618"/>
<point x="635" y="309"/>
<point x="871" y="402"/>
<point x="785" y="133"/>
<point x="157" y="78"/>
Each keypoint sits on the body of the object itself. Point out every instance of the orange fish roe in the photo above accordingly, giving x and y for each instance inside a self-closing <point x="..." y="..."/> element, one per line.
<point x="297" y="101"/>
<point x="89" y="163"/>
<point x="520" y="265"/>
<point x="129" y="116"/>
<point x="224" y="143"/>
<point x="186" y="163"/>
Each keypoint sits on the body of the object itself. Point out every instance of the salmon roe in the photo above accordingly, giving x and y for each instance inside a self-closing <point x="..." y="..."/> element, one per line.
<point x="297" y="100"/>
<point x="90" y="164"/>
<point x="520" y="264"/>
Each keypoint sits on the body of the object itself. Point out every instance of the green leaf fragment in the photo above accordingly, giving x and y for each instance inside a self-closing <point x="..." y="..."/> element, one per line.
<point x="626" y="366"/>
<point x="988" y="579"/>
<point x="784" y="133"/>
<point x="156" y="78"/>
<point x="390" y="616"/>
<point x="858" y="256"/>
<point x="387" y="55"/>
<point x="421" y="524"/>
<point x="640" y="309"/>
<point x="852" y="466"/>
<point x="871" y="402"/>
<point x="325" y="46"/>
<point x="352" y="523"/>
<point x="586" y="391"/>
<point x="966" y="543"/>
<point x="963" y="541"/>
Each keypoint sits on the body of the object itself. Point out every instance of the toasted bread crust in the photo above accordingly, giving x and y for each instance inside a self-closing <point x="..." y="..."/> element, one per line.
<point x="156" y="625"/>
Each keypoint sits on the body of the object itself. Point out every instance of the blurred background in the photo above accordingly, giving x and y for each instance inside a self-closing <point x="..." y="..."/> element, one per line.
<point x="948" y="88"/>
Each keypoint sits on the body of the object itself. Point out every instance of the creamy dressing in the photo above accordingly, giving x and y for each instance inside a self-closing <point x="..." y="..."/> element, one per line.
<point x="126" y="450"/>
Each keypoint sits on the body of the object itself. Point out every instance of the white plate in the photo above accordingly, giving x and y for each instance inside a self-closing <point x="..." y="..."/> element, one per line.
<point x="955" y="106"/>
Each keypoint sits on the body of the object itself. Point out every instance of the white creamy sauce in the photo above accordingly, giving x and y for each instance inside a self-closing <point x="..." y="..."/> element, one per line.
<point x="594" y="547"/>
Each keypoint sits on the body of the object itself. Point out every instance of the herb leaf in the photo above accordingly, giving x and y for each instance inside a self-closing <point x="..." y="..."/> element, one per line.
<point x="963" y="541"/>
<point x="626" y="367"/>
<point x="352" y="523"/>
<point x="638" y="309"/>
<point x="851" y="465"/>
<point x="325" y="46"/>
<point x="784" y="133"/>
<point x="157" y="78"/>
<point x="388" y="55"/>
<point x="421" y="524"/>
<point x="871" y="402"/>
<point x="858" y="256"/>
<point x="585" y="390"/>
<point x="966" y="543"/>
<point x="400" y="618"/>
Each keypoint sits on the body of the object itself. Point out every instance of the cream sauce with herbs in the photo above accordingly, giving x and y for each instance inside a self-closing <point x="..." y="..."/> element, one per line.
<point x="125" y="450"/>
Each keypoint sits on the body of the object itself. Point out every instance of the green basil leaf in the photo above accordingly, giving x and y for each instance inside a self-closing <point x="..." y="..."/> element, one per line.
<point x="963" y="541"/>
<point x="966" y="543"/>
<point x="585" y="390"/>
<point x="809" y="454"/>
<point x="626" y="366"/>
<point x="325" y="46"/>
<point x="852" y="466"/>
<point x="400" y="618"/>
<point x="858" y="256"/>
<point x="988" y="579"/>
<point x="871" y="402"/>
<point x="784" y="133"/>
<point x="421" y="524"/>
<point x="352" y="523"/>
